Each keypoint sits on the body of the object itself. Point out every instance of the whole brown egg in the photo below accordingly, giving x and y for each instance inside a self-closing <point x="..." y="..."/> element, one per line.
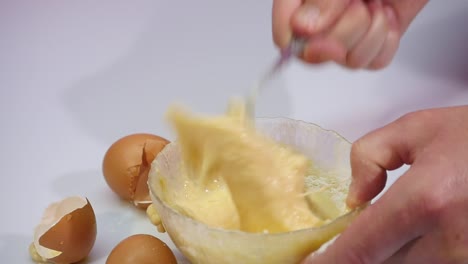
<point x="141" y="249"/>
<point x="126" y="165"/>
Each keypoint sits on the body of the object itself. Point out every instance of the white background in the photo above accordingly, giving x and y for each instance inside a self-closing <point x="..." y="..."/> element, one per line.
<point x="77" y="75"/>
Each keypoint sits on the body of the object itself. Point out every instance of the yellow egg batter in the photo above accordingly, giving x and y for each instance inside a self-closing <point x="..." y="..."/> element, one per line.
<point x="236" y="178"/>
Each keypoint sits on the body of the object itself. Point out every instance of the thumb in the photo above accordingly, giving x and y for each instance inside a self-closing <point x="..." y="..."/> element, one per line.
<point x="315" y="16"/>
<point x="380" y="230"/>
<point x="385" y="149"/>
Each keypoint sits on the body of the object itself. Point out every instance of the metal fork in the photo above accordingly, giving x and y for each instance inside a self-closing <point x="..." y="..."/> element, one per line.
<point x="295" y="47"/>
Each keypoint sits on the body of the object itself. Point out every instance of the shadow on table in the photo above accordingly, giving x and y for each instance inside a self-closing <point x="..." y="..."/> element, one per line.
<point x="113" y="227"/>
<point x="116" y="219"/>
<point x="14" y="248"/>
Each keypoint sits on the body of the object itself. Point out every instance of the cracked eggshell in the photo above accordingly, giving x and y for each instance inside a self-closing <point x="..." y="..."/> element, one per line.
<point x="126" y="165"/>
<point x="67" y="231"/>
<point x="141" y="249"/>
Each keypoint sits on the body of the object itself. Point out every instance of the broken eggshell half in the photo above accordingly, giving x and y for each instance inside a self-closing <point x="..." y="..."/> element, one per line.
<point x="126" y="165"/>
<point x="66" y="233"/>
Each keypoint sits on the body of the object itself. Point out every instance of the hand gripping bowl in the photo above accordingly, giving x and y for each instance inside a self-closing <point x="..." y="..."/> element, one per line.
<point x="328" y="151"/>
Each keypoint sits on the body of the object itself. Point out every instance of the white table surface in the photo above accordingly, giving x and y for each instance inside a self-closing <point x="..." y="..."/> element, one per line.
<point x="77" y="75"/>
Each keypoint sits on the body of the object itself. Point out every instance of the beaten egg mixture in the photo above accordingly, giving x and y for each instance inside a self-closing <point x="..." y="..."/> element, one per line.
<point x="237" y="178"/>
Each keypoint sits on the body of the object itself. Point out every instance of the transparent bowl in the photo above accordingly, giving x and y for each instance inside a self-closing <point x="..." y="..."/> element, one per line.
<point x="203" y="244"/>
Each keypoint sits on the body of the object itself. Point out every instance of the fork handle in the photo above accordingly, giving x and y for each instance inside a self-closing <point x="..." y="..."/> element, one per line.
<point x="295" y="47"/>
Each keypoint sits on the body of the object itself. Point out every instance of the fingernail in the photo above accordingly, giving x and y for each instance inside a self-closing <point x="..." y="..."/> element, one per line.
<point x="308" y="16"/>
<point x="314" y="257"/>
<point x="311" y="259"/>
<point x="352" y="201"/>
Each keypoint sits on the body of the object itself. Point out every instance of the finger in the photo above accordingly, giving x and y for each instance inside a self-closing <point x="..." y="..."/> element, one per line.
<point x="385" y="149"/>
<point x="352" y="26"/>
<point x="281" y="15"/>
<point x="400" y="14"/>
<point x="406" y="11"/>
<point x="379" y="231"/>
<point x="402" y="254"/>
<point x="322" y="49"/>
<point x="370" y="45"/>
<point x="444" y="243"/>
<point x="333" y="45"/>
<point x="315" y="16"/>
<point x="371" y="156"/>
<point x="343" y="35"/>
<point x="391" y="44"/>
<point x="427" y="249"/>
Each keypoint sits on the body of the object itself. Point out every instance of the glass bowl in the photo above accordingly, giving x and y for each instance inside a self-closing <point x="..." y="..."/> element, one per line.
<point x="329" y="153"/>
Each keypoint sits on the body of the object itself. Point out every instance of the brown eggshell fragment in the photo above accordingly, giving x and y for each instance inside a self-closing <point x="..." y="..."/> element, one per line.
<point x="67" y="232"/>
<point x="141" y="198"/>
<point x="141" y="249"/>
<point x="126" y="165"/>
